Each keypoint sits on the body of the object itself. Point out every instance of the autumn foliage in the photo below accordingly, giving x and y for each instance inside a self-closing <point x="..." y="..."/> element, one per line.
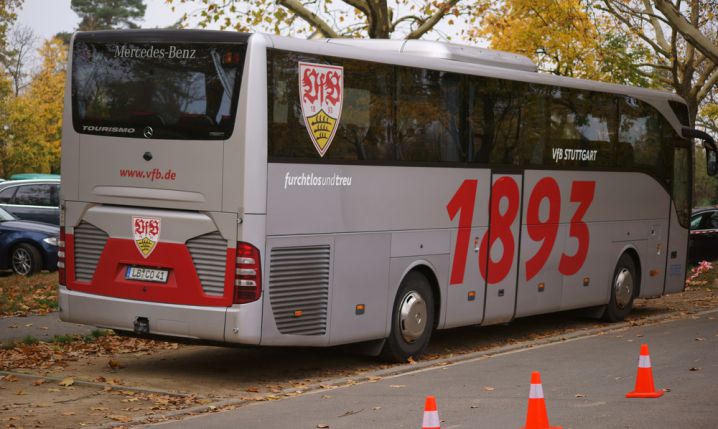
<point x="31" y="122"/>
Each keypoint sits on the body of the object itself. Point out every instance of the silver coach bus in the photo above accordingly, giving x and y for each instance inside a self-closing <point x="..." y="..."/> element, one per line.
<point x="260" y="190"/>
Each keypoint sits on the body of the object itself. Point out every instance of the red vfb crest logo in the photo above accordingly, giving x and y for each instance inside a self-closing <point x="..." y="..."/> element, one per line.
<point x="321" y="88"/>
<point x="146" y="233"/>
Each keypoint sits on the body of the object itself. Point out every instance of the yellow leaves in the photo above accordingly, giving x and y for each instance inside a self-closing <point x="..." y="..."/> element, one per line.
<point x="34" y="118"/>
<point x="557" y="34"/>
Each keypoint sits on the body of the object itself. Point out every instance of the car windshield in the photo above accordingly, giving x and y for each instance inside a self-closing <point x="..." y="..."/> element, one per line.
<point x="5" y="216"/>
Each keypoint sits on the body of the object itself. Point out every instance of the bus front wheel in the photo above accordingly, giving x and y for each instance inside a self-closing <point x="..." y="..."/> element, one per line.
<point x="623" y="290"/>
<point x="412" y="319"/>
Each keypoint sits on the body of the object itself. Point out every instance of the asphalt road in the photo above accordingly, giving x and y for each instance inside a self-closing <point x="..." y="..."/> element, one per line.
<point x="584" y="381"/>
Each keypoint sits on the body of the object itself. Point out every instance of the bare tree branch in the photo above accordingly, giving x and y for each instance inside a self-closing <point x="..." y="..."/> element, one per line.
<point x="433" y="20"/>
<point x="687" y="30"/>
<point x="708" y="83"/>
<point x="21" y="43"/>
<point x="310" y="17"/>
<point x="619" y="15"/>
<point x="660" y="37"/>
<point x="414" y="18"/>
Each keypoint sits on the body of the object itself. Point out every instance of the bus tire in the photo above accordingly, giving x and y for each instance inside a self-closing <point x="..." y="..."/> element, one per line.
<point x="623" y="289"/>
<point x="412" y="320"/>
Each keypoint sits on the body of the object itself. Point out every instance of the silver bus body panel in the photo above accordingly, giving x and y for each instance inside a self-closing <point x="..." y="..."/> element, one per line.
<point x="70" y="159"/>
<point x="245" y="158"/>
<point x="677" y="255"/>
<point x="197" y="185"/>
<point x="177" y="226"/>
<point x="186" y="321"/>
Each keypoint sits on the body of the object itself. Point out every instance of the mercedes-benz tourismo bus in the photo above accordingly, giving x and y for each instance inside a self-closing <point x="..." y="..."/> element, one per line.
<point x="253" y="189"/>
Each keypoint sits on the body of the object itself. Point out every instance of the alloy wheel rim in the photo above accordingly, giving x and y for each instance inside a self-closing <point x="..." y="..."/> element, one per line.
<point x="21" y="261"/>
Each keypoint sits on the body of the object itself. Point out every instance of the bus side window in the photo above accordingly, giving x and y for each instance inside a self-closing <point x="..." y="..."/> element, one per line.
<point x="536" y="147"/>
<point x="427" y="112"/>
<point x="494" y="112"/>
<point x="364" y="127"/>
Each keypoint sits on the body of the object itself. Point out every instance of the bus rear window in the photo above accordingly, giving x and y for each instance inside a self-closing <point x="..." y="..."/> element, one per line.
<point x="184" y="91"/>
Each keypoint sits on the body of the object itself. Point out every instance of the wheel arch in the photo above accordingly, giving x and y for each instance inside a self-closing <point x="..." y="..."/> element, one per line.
<point x="632" y="252"/>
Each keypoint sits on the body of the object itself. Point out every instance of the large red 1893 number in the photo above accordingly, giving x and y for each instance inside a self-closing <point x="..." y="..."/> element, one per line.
<point x="463" y="202"/>
<point x="544" y="231"/>
<point x="504" y="188"/>
<point x="581" y="193"/>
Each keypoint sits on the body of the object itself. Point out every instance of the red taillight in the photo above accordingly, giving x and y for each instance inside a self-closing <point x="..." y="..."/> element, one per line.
<point x="248" y="279"/>
<point x="62" y="276"/>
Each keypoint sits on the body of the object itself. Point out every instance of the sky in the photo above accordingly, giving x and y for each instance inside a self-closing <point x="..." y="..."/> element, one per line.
<point x="49" y="17"/>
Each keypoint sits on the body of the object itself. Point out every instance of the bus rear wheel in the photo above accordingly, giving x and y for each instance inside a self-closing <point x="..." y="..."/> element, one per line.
<point x="412" y="320"/>
<point x="623" y="290"/>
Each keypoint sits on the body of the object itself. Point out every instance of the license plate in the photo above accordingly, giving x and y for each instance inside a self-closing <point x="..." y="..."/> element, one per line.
<point x="147" y="274"/>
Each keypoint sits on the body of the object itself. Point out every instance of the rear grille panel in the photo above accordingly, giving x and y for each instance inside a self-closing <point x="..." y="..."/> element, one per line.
<point x="299" y="281"/>
<point x="209" y="253"/>
<point x="89" y="243"/>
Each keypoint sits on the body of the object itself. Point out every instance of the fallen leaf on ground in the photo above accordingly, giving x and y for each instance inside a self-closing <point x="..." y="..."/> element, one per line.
<point x="114" y="364"/>
<point x="67" y="382"/>
<point x="119" y="418"/>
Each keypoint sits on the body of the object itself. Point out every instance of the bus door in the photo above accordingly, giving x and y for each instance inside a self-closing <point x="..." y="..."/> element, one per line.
<point x="498" y="260"/>
<point x="467" y="209"/>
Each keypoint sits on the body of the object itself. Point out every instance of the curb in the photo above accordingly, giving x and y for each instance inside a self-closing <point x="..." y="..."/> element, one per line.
<point x="98" y="385"/>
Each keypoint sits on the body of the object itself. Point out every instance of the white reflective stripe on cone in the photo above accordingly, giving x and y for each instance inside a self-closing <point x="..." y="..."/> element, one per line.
<point x="536" y="392"/>
<point x="431" y="419"/>
<point x="644" y="361"/>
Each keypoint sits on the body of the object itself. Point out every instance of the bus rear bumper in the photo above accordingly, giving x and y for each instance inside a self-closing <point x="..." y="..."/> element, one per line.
<point x="172" y="320"/>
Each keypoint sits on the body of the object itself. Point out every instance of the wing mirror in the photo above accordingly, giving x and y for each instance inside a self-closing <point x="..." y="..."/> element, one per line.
<point x="708" y="144"/>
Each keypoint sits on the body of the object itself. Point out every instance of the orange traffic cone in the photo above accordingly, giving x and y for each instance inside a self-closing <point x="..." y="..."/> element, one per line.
<point x="644" y="379"/>
<point x="536" y="417"/>
<point x="431" y="414"/>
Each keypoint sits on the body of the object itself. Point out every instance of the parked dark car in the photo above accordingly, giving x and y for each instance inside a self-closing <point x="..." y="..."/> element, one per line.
<point x="27" y="247"/>
<point x="703" y="241"/>
<point x="37" y="200"/>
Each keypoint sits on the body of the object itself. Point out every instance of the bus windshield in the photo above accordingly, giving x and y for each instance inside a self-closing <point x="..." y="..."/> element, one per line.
<point x="156" y="90"/>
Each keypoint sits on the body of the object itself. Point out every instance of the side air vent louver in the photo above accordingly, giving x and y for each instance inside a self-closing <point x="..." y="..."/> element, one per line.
<point x="209" y="253"/>
<point x="299" y="289"/>
<point x="89" y="244"/>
